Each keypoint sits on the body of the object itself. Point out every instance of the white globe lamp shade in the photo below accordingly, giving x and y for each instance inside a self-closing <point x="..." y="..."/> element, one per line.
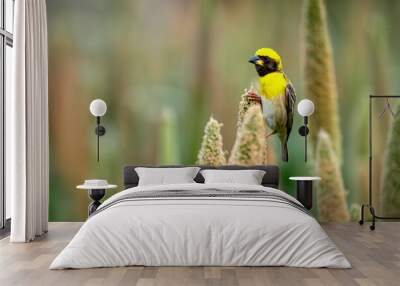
<point x="98" y="107"/>
<point x="305" y="107"/>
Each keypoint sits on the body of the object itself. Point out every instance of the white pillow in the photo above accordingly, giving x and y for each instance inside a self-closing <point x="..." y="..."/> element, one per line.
<point x="165" y="176"/>
<point x="248" y="177"/>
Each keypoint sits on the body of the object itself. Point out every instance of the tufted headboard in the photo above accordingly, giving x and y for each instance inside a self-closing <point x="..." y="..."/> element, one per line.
<point x="271" y="177"/>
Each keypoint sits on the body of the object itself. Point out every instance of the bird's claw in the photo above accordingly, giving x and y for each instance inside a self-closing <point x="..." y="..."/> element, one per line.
<point x="254" y="97"/>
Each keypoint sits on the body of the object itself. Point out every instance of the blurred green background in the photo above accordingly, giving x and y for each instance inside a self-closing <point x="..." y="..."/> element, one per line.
<point x="164" y="66"/>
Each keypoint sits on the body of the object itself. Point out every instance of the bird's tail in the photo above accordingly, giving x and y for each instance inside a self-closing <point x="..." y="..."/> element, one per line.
<point x="284" y="150"/>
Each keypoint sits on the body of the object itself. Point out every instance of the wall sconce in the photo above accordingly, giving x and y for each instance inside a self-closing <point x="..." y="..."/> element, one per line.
<point x="305" y="108"/>
<point x="98" y="108"/>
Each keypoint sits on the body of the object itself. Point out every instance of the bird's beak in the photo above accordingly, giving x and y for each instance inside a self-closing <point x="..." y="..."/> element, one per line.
<point x="256" y="60"/>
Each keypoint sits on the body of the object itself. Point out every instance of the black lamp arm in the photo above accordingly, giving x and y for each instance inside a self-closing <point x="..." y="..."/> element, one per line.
<point x="100" y="131"/>
<point x="303" y="131"/>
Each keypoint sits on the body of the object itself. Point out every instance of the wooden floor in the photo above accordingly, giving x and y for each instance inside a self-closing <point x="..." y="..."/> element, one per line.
<point x="375" y="257"/>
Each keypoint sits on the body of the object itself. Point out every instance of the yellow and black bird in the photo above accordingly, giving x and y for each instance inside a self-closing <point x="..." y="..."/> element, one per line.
<point x="277" y="95"/>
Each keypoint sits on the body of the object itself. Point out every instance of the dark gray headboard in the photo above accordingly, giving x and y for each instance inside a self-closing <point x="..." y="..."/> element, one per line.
<point x="271" y="177"/>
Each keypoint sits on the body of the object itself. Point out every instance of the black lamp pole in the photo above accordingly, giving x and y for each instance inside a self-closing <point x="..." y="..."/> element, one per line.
<point x="303" y="131"/>
<point x="100" y="131"/>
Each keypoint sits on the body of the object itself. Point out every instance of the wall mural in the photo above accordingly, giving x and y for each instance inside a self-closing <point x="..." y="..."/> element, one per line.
<point x="173" y="73"/>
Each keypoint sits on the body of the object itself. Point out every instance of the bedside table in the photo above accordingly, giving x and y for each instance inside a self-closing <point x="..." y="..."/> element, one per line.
<point x="96" y="190"/>
<point x="305" y="190"/>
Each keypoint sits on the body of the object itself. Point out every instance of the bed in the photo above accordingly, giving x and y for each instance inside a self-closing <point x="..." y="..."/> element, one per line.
<point x="198" y="224"/>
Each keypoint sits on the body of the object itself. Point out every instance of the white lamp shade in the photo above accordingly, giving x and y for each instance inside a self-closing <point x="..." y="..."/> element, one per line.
<point x="98" y="107"/>
<point x="305" y="107"/>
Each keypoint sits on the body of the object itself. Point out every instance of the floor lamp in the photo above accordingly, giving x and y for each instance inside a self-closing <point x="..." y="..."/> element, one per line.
<point x="370" y="202"/>
<point x="98" y="108"/>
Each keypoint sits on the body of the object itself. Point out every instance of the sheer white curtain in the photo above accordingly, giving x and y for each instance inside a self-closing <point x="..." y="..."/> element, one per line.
<point x="27" y="147"/>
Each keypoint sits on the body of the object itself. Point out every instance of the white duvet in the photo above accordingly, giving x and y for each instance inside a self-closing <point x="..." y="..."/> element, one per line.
<point x="200" y="231"/>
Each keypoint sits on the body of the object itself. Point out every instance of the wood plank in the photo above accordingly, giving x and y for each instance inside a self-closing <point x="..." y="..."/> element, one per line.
<point x="375" y="257"/>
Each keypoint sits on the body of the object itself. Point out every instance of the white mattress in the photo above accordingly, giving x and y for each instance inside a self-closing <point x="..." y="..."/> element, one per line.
<point x="200" y="231"/>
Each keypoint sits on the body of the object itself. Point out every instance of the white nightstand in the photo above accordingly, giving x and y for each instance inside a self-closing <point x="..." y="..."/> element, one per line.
<point x="305" y="190"/>
<point x="97" y="190"/>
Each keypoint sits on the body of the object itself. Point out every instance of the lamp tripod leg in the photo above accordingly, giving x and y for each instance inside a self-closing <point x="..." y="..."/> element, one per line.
<point x="361" y="221"/>
<point x="372" y="210"/>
